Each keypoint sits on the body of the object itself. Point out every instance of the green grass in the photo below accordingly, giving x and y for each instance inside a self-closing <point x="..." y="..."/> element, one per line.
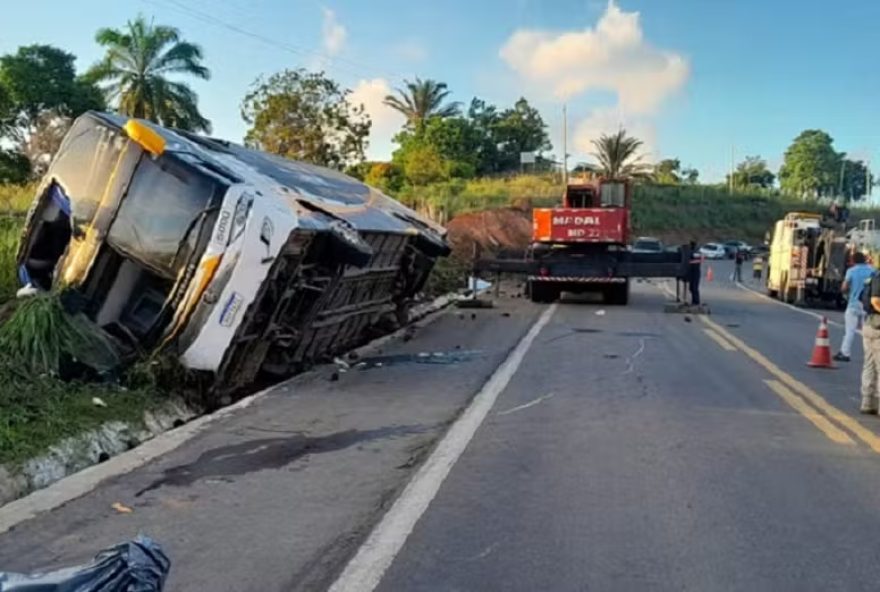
<point x="16" y="199"/>
<point x="37" y="412"/>
<point x="10" y="232"/>
<point x="41" y="337"/>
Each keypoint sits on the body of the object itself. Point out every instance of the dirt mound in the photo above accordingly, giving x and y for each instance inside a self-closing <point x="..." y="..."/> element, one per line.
<point x="498" y="231"/>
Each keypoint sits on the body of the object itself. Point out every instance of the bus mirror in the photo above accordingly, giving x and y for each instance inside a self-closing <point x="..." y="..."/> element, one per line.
<point x="146" y="136"/>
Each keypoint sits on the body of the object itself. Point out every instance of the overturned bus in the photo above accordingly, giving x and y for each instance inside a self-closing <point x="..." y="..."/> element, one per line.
<point x="237" y="261"/>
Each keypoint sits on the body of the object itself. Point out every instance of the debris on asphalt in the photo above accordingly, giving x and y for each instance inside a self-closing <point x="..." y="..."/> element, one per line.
<point x="341" y="363"/>
<point x="448" y="357"/>
<point x="611" y="356"/>
<point x="473" y="316"/>
<point x="505" y="314"/>
<point x="600" y="312"/>
<point x="121" y="508"/>
<point x="687" y="319"/>
<point x="334" y="377"/>
<point x="136" y="566"/>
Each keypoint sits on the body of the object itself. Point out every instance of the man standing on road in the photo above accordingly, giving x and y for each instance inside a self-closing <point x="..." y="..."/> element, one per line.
<point x="738" y="259"/>
<point x="694" y="273"/>
<point x="853" y="284"/>
<point x="871" y="342"/>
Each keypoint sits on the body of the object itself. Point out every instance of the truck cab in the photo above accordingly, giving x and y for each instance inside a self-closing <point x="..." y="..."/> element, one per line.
<point x="787" y="263"/>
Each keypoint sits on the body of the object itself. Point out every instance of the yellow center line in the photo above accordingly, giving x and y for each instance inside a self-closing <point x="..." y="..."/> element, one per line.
<point x="834" y="433"/>
<point x="864" y="434"/>
<point x="725" y="345"/>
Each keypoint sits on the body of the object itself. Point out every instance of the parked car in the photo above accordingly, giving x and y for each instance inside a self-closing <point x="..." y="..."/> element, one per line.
<point x="712" y="251"/>
<point x="645" y="244"/>
<point x="759" y="250"/>
<point x="732" y="246"/>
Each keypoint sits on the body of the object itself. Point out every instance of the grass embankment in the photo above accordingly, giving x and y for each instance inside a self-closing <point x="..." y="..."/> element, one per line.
<point x="53" y="365"/>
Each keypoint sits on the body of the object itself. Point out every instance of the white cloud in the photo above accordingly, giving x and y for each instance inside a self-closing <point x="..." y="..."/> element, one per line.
<point x="612" y="56"/>
<point x="386" y="121"/>
<point x="333" y="33"/>
<point x="608" y="121"/>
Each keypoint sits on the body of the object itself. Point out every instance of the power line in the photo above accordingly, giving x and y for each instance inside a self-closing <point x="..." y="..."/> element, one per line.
<point x="355" y="68"/>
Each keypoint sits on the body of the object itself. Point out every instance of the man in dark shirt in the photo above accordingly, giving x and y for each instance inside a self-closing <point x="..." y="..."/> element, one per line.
<point x="739" y="256"/>
<point x="694" y="273"/>
<point x="871" y="343"/>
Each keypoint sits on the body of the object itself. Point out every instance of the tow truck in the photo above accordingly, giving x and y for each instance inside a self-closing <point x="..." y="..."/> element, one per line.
<point x="583" y="246"/>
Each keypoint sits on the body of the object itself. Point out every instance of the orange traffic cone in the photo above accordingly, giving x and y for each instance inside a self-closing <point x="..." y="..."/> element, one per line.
<point x="709" y="274"/>
<point x="822" y="348"/>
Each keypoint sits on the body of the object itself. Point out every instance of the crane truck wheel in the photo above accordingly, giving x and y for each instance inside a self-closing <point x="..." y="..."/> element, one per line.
<point x="618" y="294"/>
<point x="543" y="292"/>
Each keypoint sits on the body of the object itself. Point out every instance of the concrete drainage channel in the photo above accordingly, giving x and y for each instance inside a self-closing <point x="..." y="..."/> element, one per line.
<point x="115" y="438"/>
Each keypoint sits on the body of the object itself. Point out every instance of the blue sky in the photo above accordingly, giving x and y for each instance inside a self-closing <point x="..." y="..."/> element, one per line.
<point x="692" y="77"/>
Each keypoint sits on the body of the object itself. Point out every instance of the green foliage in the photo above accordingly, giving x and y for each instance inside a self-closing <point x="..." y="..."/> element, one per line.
<point x="854" y="179"/>
<point x="752" y="173"/>
<point x="519" y="129"/>
<point x="15" y="167"/>
<point x="10" y="233"/>
<point x="39" y="96"/>
<point x="423" y="164"/>
<point x="482" y="142"/>
<point x="811" y="167"/>
<point x="618" y="155"/>
<point x="137" y="68"/>
<point x="448" y="275"/>
<point x="16" y="199"/>
<point x="422" y="100"/>
<point x="41" y="337"/>
<point x="667" y="172"/>
<point x="385" y="176"/>
<point x="305" y="116"/>
<point x="690" y="175"/>
<point x="40" y="78"/>
<point x="39" y="411"/>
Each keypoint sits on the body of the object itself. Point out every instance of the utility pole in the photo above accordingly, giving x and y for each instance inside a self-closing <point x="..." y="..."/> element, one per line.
<point x="730" y="179"/>
<point x="868" y="197"/>
<point x="564" y="145"/>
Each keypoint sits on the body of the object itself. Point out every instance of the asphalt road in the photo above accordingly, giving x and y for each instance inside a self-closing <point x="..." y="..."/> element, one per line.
<point x="632" y="449"/>
<point x="657" y="459"/>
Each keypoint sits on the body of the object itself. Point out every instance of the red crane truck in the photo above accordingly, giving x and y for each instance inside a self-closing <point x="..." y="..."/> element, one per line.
<point x="583" y="246"/>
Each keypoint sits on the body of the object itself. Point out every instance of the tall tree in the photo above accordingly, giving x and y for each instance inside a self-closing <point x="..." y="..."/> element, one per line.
<point x="667" y="171"/>
<point x="421" y="100"/>
<point x="519" y="129"/>
<point x="752" y="173"/>
<point x="40" y="93"/>
<point x="306" y="116"/>
<point x="137" y="72"/>
<point x="811" y="167"/>
<point x="854" y="180"/>
<point x="690" y="175"/>
<point x="618" y="155"/>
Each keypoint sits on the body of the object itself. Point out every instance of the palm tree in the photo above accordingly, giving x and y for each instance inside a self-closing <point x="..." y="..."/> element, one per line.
<point x="136" y="69"/>
<point x="422" y="100"/>
<point x="617" y="155"/>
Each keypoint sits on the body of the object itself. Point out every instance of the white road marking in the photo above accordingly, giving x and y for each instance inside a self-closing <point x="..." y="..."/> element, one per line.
<point x="366" y="569"/>
<point x="527" y="405"/>
<point x="815" y="315"/>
